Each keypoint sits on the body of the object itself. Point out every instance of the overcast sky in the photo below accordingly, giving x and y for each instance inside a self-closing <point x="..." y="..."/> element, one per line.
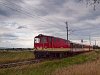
<point x="22" y="20"/>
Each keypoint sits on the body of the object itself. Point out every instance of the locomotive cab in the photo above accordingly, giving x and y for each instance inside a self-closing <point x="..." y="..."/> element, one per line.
<point x="40" y="42"/>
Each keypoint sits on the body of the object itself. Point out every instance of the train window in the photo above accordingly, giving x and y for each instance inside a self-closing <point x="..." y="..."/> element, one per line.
<point x="58" y="40"/>
<point x="50" y="39"/>
<point x="43" y="40"/>
<point x="37" y="40"/>
<point x="54" y="39"/>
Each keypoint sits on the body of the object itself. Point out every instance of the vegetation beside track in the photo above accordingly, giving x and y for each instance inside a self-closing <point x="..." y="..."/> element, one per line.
<point x="13" y="56"/>
<point x="88" y="68"/>
<point x="48" y="67"/>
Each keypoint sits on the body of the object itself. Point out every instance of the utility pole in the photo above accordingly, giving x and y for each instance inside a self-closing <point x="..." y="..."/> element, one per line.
<point x="67" y="30"/>
<point x="95" y="43"/>
<point x="82" y="43"/>
<point x="90" y="42"/>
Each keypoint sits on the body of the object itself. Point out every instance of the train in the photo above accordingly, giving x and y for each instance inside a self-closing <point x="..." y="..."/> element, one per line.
<point x="50" y="46"/>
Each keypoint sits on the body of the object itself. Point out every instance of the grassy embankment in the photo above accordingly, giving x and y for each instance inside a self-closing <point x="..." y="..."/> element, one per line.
<point x="12" y="56"/>
<point x="49" y="67"/>
<point x="88" y="68"/>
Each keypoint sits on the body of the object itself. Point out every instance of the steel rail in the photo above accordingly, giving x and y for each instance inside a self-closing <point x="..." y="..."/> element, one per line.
<point x="20" y="63"/>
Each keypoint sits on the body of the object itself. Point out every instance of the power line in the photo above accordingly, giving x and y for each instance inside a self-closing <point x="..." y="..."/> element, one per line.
<point x="17" y="10"/>
<point x="43" y="19"/>
<point x="83" y="29"/>
<point x="25" y="12"/>
<point x="30" y="15"/>
<point x="21" y="11"/>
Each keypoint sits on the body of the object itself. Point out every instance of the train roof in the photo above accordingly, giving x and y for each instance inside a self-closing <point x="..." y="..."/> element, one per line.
<point x="40" y="35"/>
<point x="49" y="36"/>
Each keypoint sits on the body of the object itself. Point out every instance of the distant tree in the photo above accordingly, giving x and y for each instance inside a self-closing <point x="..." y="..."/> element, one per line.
<point x="92" y="2"/>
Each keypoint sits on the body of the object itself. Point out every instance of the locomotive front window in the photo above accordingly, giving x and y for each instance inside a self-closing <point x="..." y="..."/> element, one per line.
<point x="37" y="40"/>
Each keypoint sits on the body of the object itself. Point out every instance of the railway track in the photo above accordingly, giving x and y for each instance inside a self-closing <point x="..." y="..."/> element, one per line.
<point x="14" y="64"/>
<point x="33" y="61"/>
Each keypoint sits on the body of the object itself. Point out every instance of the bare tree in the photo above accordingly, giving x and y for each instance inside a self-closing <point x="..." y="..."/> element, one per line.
<point x="92" y="3"/>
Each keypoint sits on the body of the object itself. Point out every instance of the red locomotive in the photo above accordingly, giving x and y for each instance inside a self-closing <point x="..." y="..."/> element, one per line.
<point x="49" y="46"/>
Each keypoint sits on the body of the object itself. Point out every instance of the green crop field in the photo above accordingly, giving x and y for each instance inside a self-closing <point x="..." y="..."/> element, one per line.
<point x="12" y="56"/>
<point x="51" y="67"/>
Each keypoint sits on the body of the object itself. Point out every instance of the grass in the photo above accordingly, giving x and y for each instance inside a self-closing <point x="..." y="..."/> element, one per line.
<point x="88" y="68"/>
<point x="11" y="56"/>
<point x="49" y="67"/>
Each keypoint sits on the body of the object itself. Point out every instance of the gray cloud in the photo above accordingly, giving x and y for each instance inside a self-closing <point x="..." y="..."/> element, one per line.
<point x="52" y="6"/>
<point x="2" y="12"/>
<point x="22" y="20"/>
<point x="20" y="27"/>
<point x="8" y="37"/>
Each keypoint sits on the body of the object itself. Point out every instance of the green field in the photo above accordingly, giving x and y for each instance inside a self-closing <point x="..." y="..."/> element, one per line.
<point x="12" y="56"/>
<point x="48" y="67"/>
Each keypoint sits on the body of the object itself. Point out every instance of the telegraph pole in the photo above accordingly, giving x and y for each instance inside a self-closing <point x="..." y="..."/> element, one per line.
<point x="67" y="30"/>
<point x="95" y="43"/>
<point x="90" y="42"/>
